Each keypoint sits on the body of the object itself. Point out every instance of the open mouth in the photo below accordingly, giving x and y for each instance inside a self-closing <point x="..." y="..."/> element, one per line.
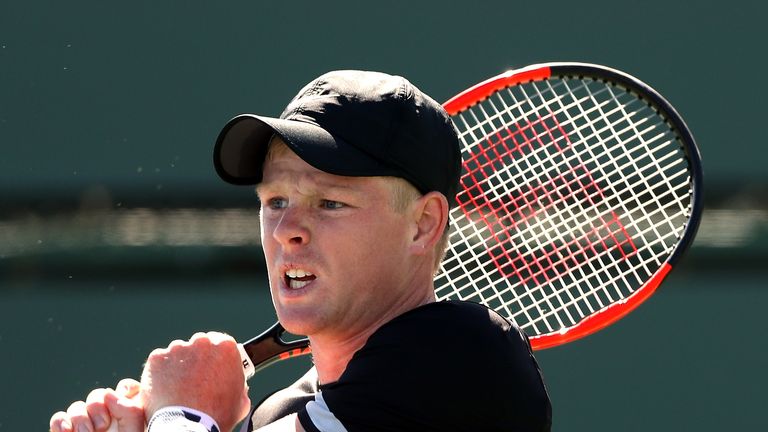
<point x="298" y="278"/>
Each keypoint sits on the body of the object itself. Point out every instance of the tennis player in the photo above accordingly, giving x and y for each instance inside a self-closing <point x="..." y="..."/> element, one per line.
<point x="355" y="180"/>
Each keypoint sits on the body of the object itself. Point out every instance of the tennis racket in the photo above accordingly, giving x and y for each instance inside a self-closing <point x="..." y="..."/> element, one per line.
<point x="580" y="190"/>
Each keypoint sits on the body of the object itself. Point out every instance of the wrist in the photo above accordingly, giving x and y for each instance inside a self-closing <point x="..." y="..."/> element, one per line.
<point x="192" y="420"/>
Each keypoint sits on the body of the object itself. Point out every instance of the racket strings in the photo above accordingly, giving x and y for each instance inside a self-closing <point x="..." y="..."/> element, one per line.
<point x="611" y="132"/>
<point x="565" y="182"/>
<point x="548" y="300"/>
<point x="536" y="168"/>
<point x="653" y="164"/>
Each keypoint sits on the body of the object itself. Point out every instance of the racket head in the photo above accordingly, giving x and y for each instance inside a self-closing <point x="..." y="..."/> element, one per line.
<point x="508" y="188"/>
<point x="581" y="188"/>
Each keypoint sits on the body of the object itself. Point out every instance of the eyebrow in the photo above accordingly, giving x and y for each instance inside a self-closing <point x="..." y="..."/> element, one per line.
<point x="261" y="188"/>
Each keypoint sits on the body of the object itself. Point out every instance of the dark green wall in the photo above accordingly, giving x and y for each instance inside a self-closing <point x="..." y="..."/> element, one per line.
<point x="131" y="94"/>
<point x="127" y="98"/>
<point x="691" y="358"/>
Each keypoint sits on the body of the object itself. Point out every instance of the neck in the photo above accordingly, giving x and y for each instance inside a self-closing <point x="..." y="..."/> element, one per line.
<point x="332" y="354"/>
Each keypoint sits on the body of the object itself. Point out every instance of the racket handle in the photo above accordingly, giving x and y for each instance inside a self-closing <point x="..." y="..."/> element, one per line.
<point x="248" y="367"/>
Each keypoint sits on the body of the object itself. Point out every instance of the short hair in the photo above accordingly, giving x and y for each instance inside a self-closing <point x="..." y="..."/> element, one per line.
<point x="403" y="194"/>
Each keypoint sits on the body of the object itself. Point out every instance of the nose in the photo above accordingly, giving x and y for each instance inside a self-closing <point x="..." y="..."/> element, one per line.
<point x="291" y="229"/>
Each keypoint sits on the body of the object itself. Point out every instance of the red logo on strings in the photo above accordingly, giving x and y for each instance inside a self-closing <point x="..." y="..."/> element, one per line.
<point x="565" y="182"/>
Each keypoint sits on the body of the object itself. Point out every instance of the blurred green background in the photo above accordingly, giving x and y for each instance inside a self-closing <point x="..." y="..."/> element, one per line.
<point x="117" y="237"/>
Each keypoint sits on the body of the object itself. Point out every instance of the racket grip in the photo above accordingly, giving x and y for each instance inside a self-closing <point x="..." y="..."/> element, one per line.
<point x="248" y="367"/>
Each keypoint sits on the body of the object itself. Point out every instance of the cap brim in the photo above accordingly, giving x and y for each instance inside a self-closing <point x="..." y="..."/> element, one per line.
<point x="242" y="146"/>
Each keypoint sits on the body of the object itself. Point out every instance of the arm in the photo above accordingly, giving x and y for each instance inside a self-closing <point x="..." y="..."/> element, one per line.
<point x="202" y="376"/>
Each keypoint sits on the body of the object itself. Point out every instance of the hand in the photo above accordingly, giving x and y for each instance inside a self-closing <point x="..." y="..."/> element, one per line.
<point x="204" y="373"/>
<point x="101" y="408"/>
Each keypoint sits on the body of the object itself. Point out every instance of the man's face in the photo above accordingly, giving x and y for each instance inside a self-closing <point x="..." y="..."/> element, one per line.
<point x="335" y="248"/>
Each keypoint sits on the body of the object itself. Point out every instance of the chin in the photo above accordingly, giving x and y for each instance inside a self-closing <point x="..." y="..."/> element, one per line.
<point x="297" y="322"/>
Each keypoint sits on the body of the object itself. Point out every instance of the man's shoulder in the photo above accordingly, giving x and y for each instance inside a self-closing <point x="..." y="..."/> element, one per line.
<point x="448" y="309"/>
<point x="439" y="363"/>
<point x="457" y="322"/>
<point x="441" y="337"/>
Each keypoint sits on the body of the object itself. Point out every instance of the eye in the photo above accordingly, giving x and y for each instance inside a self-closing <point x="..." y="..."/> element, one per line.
<point x="331" y="205"/>
<point x="277" y="203"/>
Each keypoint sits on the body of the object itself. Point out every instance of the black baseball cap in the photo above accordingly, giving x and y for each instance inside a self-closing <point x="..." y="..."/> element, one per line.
<point x="351" y="123"/>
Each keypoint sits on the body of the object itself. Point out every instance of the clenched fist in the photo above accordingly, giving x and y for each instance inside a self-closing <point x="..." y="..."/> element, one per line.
<point x="204" y="373"/>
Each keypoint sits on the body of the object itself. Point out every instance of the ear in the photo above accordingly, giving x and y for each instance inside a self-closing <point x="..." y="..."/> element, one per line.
<point x="430" y="214"/>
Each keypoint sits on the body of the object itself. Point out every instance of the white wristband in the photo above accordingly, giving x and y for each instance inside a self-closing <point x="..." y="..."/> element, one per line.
<point x="192" y="419"/>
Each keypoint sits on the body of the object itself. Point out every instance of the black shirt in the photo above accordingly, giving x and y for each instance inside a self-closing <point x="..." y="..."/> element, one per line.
<point x="446" y="366"/>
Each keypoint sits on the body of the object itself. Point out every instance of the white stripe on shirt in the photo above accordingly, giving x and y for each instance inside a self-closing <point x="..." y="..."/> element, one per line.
<point x="322" y="416"/>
